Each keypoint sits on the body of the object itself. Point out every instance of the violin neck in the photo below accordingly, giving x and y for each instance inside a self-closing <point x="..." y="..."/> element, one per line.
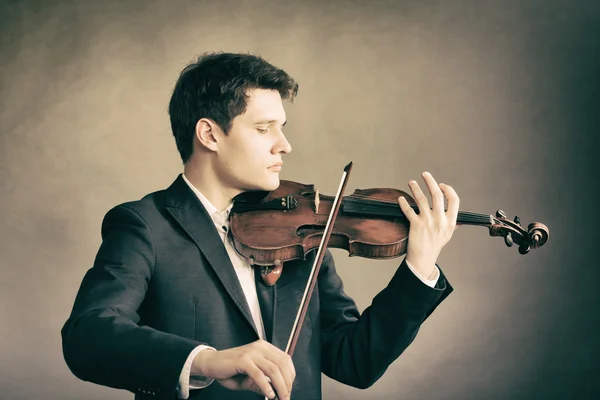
<point x="471" y="218"/>
<point x="392" y="209"/>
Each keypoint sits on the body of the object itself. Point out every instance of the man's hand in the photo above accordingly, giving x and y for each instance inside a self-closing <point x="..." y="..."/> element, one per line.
<point x="432" y="227"/>
<point x="249" y="367"/>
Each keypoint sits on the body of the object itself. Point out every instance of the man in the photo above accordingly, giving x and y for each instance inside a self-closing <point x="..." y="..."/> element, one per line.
<point x="170" y="309"/>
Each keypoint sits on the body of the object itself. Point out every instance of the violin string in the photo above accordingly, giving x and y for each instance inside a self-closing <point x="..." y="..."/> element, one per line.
<point x="463" y="216"/>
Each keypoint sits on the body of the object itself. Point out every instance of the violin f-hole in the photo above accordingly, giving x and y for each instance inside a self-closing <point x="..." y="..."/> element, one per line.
<point x="306" y="230"/>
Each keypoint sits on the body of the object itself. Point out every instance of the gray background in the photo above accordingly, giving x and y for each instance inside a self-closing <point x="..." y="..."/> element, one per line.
<point x="497" y="98"/>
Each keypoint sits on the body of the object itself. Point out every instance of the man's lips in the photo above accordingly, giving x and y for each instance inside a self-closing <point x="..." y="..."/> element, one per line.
<point x="276" y="166"/>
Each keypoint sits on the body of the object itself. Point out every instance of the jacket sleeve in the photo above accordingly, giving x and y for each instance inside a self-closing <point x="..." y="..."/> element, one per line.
<point x="357" y="349"/>
<point x="102" y="341"/>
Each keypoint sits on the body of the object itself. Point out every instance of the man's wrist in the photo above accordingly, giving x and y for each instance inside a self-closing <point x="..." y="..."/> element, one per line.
<point x="201" y="362"/>
<point x="426" y="268"/>
<point x="430" y="280"/>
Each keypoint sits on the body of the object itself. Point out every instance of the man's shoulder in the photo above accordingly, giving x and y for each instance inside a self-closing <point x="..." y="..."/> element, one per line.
<point x="149" y="202"/>
<point x="148" y="207"/>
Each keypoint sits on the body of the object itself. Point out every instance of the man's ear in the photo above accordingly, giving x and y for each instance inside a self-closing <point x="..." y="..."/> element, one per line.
<point x="207" y="133"/>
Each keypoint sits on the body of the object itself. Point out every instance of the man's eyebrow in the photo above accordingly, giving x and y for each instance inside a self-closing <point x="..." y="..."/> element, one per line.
<point x="265" y="122"/>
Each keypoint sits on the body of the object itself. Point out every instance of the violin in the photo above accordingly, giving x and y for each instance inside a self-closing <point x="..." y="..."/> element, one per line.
<point x="270" y="228"/>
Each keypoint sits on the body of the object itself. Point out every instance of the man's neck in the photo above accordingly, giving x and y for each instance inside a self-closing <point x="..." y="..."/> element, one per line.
<point x="204" y="181"/>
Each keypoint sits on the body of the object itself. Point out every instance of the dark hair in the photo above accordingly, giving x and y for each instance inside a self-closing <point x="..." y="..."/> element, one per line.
<point x="215" y="87"/>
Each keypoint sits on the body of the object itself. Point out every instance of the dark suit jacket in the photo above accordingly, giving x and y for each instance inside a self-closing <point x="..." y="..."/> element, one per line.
<point x="162" y="284"/>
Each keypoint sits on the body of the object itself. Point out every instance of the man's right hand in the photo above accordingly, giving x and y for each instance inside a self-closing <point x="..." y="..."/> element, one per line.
<point x="249" y="367"/>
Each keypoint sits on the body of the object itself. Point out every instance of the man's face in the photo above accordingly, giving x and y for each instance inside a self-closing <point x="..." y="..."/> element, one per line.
<point x="250" y="156"/>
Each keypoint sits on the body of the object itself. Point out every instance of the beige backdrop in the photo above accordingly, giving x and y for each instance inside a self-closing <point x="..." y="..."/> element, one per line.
<point x="498" y="99"/>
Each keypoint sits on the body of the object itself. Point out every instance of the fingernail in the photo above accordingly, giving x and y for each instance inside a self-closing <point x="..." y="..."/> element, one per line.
<point x="426" y="173"/>
<point x="401" y="198"/>
<point x="412" y="182"/>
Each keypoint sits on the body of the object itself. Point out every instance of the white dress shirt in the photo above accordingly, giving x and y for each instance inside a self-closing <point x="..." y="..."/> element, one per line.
<point x="245" y="274"/>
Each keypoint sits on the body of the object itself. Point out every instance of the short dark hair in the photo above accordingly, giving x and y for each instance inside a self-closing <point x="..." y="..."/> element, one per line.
<point x="215" y="87"/>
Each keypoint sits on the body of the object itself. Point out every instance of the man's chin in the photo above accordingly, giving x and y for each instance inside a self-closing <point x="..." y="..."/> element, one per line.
<point x="266" y="185"/>
<point x="270" y="186"/>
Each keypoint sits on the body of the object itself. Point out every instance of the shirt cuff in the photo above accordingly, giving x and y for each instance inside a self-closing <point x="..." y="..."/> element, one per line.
<point x="428" y="282"/>
<point x="186" y="381"/>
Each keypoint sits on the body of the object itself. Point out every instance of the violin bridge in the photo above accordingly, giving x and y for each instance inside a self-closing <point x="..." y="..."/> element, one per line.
<point x="317" y="201"/>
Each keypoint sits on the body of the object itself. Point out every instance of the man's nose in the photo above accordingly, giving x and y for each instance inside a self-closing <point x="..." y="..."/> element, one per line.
<point x="282" y="146"/>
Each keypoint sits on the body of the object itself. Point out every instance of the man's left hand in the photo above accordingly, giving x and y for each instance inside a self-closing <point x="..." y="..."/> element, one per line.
<point x="432" y="227"/>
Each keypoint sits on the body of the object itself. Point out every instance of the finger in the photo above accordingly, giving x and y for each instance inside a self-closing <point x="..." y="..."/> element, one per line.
<point x="437" y="197"/>
<point x="453" y="203"/>
<point x="288" y="374"/>
<point x="292" y="372"/>
<point x="407" y="210"/>
<point x="258" y="382"/>
<point x="272" y="371"/>
<point x="286" y="366"/>
<point x="283" y="361"/>
<point x="420" y="198"/>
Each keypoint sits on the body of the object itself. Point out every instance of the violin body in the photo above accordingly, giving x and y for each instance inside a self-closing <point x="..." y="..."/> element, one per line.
<point x="281" y="235"/>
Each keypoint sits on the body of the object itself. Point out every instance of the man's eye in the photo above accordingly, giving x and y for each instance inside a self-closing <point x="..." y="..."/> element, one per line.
<point x="262" y="130"/>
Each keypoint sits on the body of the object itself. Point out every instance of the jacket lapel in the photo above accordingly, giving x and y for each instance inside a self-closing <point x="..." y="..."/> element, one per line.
<point x="187" y="210"/>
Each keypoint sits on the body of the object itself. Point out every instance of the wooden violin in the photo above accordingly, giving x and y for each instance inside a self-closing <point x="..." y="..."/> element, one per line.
<point x="270" y="228"/>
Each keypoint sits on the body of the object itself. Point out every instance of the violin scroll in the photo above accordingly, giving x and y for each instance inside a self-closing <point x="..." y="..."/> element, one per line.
<point x="534" y="237"/>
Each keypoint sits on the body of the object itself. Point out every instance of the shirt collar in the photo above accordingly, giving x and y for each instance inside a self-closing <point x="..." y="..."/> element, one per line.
<point x="218" y="217"/>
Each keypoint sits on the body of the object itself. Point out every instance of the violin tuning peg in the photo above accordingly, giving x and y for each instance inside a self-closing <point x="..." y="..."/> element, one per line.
<point x="508" y="240"/>
<point x="535" y="237"/>
<point x="524" y="248"/>
<point x="517" y="220"/>
<point x="500" y="214"/>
